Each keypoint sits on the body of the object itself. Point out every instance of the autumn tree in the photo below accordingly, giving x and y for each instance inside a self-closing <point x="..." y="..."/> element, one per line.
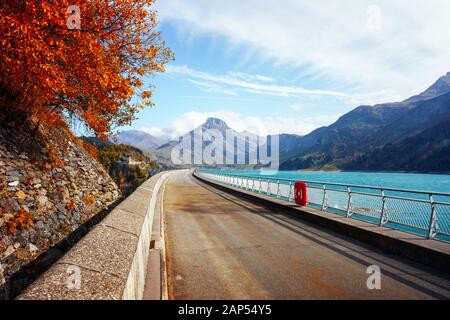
<point x="87" y="62"/>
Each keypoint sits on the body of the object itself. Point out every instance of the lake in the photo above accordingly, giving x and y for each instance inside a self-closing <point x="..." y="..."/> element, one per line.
<point x="410" y="181"/>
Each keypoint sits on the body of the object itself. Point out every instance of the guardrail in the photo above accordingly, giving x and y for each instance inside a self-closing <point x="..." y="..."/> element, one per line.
<point x="420" y="212"/>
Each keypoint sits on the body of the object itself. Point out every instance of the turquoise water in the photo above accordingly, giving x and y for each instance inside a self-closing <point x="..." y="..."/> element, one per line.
<point x="407" y="214"/>
<point x="410" y="181"/>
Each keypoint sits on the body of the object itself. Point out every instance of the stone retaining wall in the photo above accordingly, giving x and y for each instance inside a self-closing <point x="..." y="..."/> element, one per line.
<point x="43" y="202"/>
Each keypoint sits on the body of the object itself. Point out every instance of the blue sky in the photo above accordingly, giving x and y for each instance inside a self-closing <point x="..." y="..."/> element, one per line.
<point x="290" y="66"/>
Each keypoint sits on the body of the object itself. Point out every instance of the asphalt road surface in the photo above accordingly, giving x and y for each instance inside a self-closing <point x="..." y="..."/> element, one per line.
<point x="219" y="246"/>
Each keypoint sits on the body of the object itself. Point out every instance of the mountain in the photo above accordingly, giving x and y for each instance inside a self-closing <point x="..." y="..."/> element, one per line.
<point x="428" y="149"/>
<point x="440" y="87"/>
<point x="243" y="142"/>
<point x="138" y="139"/>
<point x="367" y="129"/>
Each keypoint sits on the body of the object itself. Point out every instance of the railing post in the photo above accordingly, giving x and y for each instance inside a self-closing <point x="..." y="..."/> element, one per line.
<point x="290" y="191"/>
<point x="383" y="215"/>
<point x="278" y="189"/>
<point x="349" y="203"/>
<point x="433" y="220"/>
<point x="324" y="197"/>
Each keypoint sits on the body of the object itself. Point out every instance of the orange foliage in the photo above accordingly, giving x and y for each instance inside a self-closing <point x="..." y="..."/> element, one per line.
<point x="89" y="200"/>
<point x="91" y="149"/>
<point x="54" y="70"/>
<point x="54" y="159"/>
<point x="47" y="167"/>
<point x="70" y="205"/>
<point x="22" y="220"/>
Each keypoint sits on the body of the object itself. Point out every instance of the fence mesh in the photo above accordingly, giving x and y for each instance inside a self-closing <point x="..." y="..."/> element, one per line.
<point x="401" y="208"/>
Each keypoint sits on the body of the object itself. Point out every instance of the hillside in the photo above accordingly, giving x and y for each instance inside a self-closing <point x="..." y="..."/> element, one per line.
<point x="367" y="129"/>
<point x="49" y="187"/>
<point x="428" y="149"/>
<point x="128" y="176"/>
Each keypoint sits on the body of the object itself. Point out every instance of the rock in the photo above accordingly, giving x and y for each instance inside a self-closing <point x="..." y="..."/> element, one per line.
<point x="21" y="241"/>
<point x="14" y="173"/>
<point x="6" y="242"/>
<point x="42" y="200"/>
<point x="13" y="184"/>
<point x="22" y="254"/>
<point x="61" y="208"/>
<point x="21" y="195"/>
<point x="2" y="277"/>
<point x="9" y="251"/>
<point x="40" y="225"/>
<point x="9" y="259"/>
<point x="12" y="205"/>
<point x="108" y="196"/>
<point x="8" y="216"/>
<point x="12" y="178"/>
<point x="77" y="216"/>
<point x="32" y="248"/>
<point x="37" y="186"/>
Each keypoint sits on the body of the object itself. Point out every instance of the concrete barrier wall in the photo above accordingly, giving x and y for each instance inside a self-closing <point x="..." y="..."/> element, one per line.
<point x="110" y="262"/>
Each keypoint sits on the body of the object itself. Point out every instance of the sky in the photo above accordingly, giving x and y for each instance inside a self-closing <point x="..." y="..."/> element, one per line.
<point x="291" y="66"/>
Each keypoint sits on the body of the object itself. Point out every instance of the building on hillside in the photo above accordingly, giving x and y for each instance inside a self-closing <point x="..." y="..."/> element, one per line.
<point x="130" y="161"/>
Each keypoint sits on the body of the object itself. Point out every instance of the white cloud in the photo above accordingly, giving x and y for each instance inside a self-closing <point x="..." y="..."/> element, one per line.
<point x="398" y="54"/>
<point x="251" y="77"/>
<point x="214" y="88"/>
<point x="254" y="124"/>
<point x="155" y="131"/>
<point x="230" y="83"/>
<point x="248" y="83"/>
<point x="296" y="107"/>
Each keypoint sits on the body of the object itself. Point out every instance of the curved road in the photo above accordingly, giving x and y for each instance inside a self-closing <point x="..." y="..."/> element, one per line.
<point x="222" y="247"/>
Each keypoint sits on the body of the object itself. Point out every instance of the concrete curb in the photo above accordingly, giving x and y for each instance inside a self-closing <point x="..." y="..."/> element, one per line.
<point x="431" y="253"/>
<point x="134" y="288"/>
<point x="110" y="262"/>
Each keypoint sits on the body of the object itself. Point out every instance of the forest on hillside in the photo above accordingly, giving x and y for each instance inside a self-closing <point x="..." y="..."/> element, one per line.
<point x="128" y="177"/>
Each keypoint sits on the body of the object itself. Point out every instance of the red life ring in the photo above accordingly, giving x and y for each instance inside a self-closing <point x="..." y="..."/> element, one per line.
<point x="301" y="195"/>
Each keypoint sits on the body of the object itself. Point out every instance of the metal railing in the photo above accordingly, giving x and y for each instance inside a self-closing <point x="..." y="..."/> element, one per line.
<point x="420" y="212"/>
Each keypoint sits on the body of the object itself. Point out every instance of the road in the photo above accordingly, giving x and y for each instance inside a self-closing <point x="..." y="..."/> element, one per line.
<point x="219" y="246"/>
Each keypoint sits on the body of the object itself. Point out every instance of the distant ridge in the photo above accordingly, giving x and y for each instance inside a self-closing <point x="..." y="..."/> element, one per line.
<point x="139" y="139"/>
<point x="358" y="135"/>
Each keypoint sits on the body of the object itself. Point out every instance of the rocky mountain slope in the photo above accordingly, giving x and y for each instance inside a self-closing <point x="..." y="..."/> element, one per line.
<point x="49" y="186"/>
<point x="238" y="143"/>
